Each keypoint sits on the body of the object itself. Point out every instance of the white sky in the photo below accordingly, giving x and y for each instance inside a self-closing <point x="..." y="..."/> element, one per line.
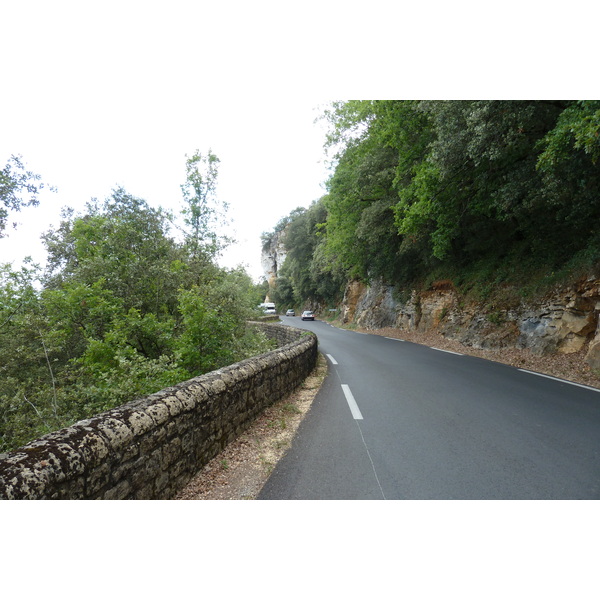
<point x="95" y="95"/>
<point x="118" y="94"/>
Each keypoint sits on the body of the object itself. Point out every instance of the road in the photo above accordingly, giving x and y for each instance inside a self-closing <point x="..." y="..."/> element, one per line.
<point x="397" y="420"/>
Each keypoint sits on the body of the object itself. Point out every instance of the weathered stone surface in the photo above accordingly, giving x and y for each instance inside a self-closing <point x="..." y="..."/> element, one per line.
<point x="117" y="434"/>
<point x="149" y="447"/>
<point x="593" y="353"/>
<point x="573" y="330"/>
<point x="272" y="257"/>
<point x="564" y="322"/>
<point x="140" y="422"/>
<point x="159" y="412"/>
<point x="118" y="492"/>
<point x="355" y="290"/>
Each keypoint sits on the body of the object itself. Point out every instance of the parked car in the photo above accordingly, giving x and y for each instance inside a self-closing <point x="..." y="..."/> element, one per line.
<point x="308" y="315"/>
<point x="290" y="313"/>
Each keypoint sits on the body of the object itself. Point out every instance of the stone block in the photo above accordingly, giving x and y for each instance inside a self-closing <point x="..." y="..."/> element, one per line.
<point x="115" y="431"/>
<point x="174" y="405"/>
<point x="170" y="453"/>
<point x="152" y="439"/>
<point x="159" y="412"/>
<point x="97" y="479"/>
<point x="118" y="492"/>
<point x="140" y="422"/>
<point x="592" y="357"/>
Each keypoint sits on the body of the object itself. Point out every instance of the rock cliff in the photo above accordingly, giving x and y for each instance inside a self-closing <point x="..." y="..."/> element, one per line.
<point x="273" y="255"/>
<point x="565" y="321"/>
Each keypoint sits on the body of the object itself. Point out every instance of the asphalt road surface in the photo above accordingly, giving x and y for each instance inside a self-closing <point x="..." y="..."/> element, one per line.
<point x="397" y="420"/>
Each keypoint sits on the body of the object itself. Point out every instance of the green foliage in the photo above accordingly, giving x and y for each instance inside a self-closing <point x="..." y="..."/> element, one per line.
<point x="201" y="212"/>
<point x="18" y="188"/>
<point x="307" y="274"/>
<point x="129" y="375"/>
<point x="123" y="242"/>
<point x="207" y="335"/>
<point x="577" y="128"/>
<point x="491" y="194"/>
<point x="123" y="310"/>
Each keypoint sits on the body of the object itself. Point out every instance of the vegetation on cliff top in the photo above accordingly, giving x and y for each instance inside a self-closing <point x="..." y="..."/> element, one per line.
<point x="487" y="193"/>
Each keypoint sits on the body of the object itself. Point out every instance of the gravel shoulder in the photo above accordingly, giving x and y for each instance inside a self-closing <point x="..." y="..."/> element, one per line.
<point x="242" y="469"/>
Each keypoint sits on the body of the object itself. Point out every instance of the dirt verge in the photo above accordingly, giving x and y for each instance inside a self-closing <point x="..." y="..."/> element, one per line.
<point x="241" y="470"/>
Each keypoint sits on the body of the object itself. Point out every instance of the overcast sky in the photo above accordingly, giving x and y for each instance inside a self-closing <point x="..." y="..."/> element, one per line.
<point x="100" y="95"/>
<point x="271" y="159"/>
<point x="96" y="95"/>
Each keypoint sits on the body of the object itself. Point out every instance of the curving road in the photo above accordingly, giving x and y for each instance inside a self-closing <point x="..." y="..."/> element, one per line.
<point x="397" y="420"/>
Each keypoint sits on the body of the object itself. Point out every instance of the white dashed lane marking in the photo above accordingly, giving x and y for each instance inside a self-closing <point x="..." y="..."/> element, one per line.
<point x="351" y="402"/>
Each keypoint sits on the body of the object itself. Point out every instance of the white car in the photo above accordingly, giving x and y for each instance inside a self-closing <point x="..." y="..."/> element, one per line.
<point x="308" y="315"/>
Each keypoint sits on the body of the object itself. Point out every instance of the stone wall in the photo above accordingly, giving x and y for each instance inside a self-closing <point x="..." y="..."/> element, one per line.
<point x="150" y="448"/>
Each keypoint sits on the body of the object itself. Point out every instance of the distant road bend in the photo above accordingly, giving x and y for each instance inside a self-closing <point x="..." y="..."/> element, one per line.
<point x="397" y="420"/>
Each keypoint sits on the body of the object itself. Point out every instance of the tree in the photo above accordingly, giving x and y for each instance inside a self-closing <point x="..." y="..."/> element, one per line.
<point x="125" y="310"/>
<point x="28" y="371"/>
<point x="378" y="145"/>
<point x="361" y="233"/>
<point x="307" y="275"/>
<point x="201" y="212"/>
<point x="569" y="170"/>
<point x="124" y="242"/>
<point x="18" y="188"/>
<point x="442" y="185"/>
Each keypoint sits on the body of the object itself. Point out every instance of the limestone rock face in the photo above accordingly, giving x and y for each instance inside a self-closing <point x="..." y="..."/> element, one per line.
<point x="377" y="307"/>
<point x="593" y="354"/>
<point x="272" y="256"/>
<point x="355" y="290"/>
<point x="565" y="322"/>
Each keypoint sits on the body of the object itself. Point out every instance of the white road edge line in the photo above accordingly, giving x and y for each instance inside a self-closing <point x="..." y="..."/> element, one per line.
<point x="395" y="339"/>
<point x="351" y="402"/>
<point x="447" y="351"/>
<point x="585" y="387"/>
<point x="333" y="361"/>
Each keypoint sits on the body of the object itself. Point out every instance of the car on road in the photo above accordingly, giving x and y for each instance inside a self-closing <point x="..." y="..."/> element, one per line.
<point x="290" y="313"/>
<point x="268" y="308"/>
<point x="308" y="315"/>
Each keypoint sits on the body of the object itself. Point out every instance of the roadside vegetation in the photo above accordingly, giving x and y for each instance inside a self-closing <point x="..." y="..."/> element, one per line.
<point x="499" y="197"/>
<point x="132" y="301"/>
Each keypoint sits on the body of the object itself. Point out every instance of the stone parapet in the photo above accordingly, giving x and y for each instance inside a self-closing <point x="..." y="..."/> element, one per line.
<point x="151" y="447"/>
